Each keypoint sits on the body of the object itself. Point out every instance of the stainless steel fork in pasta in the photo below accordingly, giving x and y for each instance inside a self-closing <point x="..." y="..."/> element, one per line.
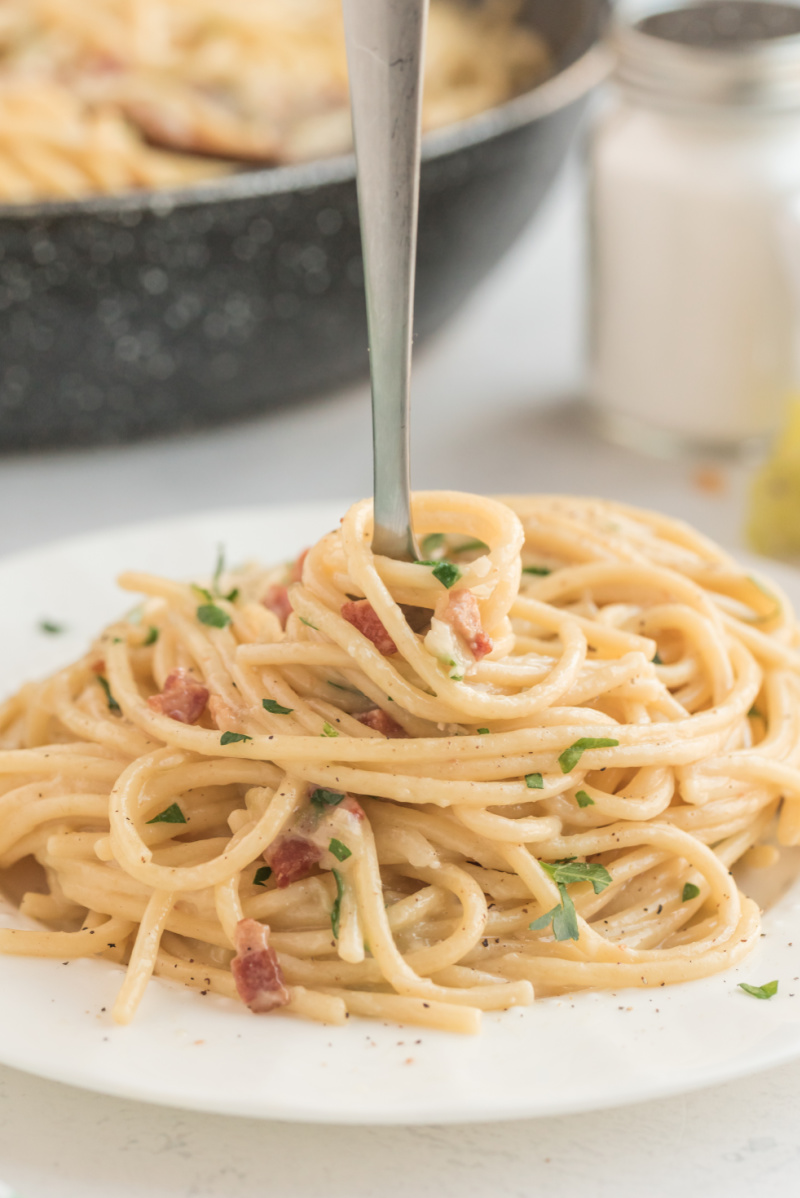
<point x="415" y="791"/>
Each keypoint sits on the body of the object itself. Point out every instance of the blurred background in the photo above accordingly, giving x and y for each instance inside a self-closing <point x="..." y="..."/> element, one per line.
<point x="608" y="293"/>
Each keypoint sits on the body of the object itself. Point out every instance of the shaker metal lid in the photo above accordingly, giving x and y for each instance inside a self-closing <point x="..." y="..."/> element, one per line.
<point x="740" y="54"/>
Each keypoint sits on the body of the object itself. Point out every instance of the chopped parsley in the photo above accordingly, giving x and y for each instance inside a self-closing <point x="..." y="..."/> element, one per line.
<point x="433" y="541"/>
<point x="322" y="798"/>
<point x="113" y="705"/>
<point x="336" y="909"/>
<point x="754" y="714"/>
<point x="231" y="738"/>
<point x="170" y="815"/>
<point x="447" y="573"/>
<point x="219" y="568"/>
<point x="564" y="918"/>
<point x="583" y="800"/>
<point x="471" y="546"/>
<point x="657" y="660"/>
<point x="690" y="891"/>
<point x="215" y="617"/>
<point x="571" y="756"/>
<point x="328" y="730"/>
<point x="215" y="592"/>
<point x="765" y="991"/>
<point x="340" y="851"/>
<point x="541" y="570"/>
<point x="51" y="628"/>
<point x="308" y="623"/>
<point x="534" y="781"/>
<point x="483" y="732"/>
<point x="152" y="636"/>
<point x="564" y="872"/>
<point x="262" y="875"/>
<point x="275" y="708"/>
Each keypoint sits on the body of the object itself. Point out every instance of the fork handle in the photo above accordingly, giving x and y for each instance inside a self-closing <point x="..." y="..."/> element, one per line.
<point x="385" y="47"/>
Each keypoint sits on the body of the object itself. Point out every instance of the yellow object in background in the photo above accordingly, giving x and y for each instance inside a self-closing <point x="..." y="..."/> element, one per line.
<point x="773" y="526"/>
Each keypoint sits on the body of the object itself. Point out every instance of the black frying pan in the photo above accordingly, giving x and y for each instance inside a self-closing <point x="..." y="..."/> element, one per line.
<point x="124" y="316"/>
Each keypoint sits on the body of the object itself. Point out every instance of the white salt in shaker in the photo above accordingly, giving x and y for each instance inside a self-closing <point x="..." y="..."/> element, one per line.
<point x="694" y="164"/>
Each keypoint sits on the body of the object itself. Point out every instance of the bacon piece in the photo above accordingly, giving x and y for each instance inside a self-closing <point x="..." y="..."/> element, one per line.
<point x="378" y="719"/>
<point x="296" y="572"/>
<point x="351" y="804"/>
<point x="256" y="969"/>
<point x="194" y="121"/>
<point x="339" y="822"/>
<point x="362" y="615"/>
<point x="307" y="843"/>
<point x="183" y="697"/>
<point x="277" y="601"/>
<point x="103" y="62"/>
<point x="277" y="597"/>
<point x="464" y="617"/>
<point x="98" y="666"/>
<point x="226" y="717"/>
<point x="291" y="858"/>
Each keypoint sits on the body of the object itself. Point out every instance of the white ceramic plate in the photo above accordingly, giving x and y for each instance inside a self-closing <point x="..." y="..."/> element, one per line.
<point x="186" y="1050"/>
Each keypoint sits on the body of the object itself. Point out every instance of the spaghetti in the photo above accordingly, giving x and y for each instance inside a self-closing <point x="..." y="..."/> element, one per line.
<point x="525" y="763"/>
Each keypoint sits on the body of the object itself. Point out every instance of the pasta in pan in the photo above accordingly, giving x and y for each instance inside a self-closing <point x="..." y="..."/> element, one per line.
<point x="89" y="89"/>
<point x="416" y="791"/>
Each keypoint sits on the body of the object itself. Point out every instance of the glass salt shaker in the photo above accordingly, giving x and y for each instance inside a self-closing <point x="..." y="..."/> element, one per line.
<point x="694" y="164"/>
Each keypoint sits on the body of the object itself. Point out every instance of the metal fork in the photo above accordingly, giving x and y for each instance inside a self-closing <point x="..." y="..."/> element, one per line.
<point x="385" y="45"/>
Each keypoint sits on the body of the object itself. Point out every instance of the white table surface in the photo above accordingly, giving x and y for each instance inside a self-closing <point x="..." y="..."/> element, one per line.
<point x="493" y="412"/>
